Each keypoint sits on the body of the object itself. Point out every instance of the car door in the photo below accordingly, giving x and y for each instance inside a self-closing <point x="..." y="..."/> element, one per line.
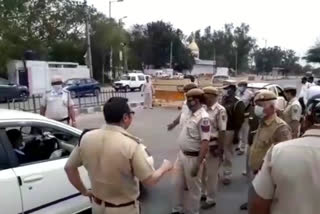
<point x="133" y="82"/>
<point x="45" y="186"/>
<point x="9" y="184"/>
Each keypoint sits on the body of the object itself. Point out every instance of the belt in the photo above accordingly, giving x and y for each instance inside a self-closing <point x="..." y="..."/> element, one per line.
<point x="64" y="119"/>
<point x="213" y="139"/>
<point x="192" y="154"/>
<point x="107" y="204"/>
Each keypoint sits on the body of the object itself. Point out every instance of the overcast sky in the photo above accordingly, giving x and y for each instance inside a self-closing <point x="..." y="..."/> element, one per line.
<point x="290" y="24"/>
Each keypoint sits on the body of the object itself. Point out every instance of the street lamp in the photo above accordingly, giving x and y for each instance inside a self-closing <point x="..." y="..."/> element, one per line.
<point x="120" y="20"/>
<point x="235" y="46"/>
<point x="110" y="2"/>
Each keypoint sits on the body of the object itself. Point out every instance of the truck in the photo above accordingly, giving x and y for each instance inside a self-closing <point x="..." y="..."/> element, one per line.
<point x="36" y="75"/>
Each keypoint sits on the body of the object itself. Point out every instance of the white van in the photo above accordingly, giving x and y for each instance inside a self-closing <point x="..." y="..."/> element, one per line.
<point x="130" y="82"/>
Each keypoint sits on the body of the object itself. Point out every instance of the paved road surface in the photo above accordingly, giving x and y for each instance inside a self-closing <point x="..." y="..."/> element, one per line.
<point x="151" y="126"/>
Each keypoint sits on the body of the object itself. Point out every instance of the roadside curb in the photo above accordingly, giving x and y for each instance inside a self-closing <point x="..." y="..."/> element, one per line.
<point x="93" y="109"/>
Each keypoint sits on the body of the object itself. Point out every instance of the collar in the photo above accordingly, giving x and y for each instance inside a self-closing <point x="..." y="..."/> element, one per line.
<point x="198" y="112"/>
<point x="213" y="106"/>
<point x="122" y="131"/>
<point x="270" y="120"/>
<point x="292" y="100"/>
<point x="312" y="132"/>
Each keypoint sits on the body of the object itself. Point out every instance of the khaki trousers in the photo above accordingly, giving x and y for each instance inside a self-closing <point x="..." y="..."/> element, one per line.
<point x="182" y="178"/>
<point x="228" y="154"/>
<point x="148" y="100"/>
<point x="101" y="209"/>
<point x="243" y="135"/>
<point x="210" y="177"/>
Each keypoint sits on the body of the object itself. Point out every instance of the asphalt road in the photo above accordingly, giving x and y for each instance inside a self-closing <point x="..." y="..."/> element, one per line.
<point x="150" y="125"/>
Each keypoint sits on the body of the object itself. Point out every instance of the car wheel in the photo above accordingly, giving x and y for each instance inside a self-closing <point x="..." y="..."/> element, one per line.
<point x="96" y="92"/>
<point x="23" y="96"/>
<point x="73" y="94"/>
<point x="127" y="88"/>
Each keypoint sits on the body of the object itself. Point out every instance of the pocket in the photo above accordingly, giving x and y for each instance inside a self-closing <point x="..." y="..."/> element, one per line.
<point x="192" y="130"/>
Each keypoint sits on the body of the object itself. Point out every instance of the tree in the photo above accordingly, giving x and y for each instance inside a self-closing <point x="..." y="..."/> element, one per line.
<point x="313" y="54"/>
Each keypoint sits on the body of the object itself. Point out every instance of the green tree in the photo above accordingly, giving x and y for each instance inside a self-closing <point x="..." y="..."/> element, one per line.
<point x="313" y="54"/>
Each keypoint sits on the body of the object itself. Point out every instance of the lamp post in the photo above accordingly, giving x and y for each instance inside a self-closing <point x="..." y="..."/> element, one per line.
<point x="235" y="46"/>
<point x="120" y="20"/>
<point x="110" y="2"/>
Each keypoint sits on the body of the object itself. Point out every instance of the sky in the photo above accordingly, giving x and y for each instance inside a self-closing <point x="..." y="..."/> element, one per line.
<point x="290" y="24"/>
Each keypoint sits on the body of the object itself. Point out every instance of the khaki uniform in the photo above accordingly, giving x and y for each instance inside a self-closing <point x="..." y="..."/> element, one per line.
<point x="196" y="129"/>
<point x="292" y="115"/>
<point x="235" y="109"/>
<point x="218" y="118"/>
<point x="116" y="183"/>
<point x="290" y="175"/>
<point x="57" y="104"/>
<point x="270" y="132"/>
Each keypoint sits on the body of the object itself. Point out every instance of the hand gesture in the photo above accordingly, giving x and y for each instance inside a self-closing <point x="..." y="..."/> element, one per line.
<point x="167" y="165"/>
<point x="171" y="126"/>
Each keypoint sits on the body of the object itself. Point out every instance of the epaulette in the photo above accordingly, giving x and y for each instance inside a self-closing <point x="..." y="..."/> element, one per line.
<point x="83" y="133"/>
<point x="136" y="139"/>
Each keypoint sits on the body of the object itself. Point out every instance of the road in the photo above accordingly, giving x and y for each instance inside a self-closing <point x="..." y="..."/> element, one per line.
<point x="150" y="125"/>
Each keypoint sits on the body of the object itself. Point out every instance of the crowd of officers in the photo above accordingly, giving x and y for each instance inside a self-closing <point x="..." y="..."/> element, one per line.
<point x="211" y="125"/>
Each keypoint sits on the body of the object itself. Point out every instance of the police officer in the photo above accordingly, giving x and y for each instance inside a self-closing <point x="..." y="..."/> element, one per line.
<point x="292" y="113"/>
<point x="288" y="181"/>
<point x="193" y="141"/>
<point x="115" y="187"/>
<point x="245" y="95"/>
<point x="235" y="110"/>
<point x="185" y="111"/>
<point x="271" y="130"/>
<point x="218" y="118"/>
<point x="57" y="104"/>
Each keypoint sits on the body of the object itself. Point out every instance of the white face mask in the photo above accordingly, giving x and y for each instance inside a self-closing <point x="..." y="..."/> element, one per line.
<point x="57" y="87"/>
<point x="258" y="111"/>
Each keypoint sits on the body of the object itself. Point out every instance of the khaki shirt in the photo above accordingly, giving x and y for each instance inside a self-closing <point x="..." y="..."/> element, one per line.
<point x="56" y="104"/>
<point x="292" y="112"/>
<point x="115" y="161"/>
<point x="270" y="132"/>
<point x="218" y="118"/>
<point x="196" y="129"/>
<point x="290" y="176"/>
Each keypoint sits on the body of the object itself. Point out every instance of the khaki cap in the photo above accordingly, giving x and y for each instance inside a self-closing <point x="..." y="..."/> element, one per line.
<point x="290" y="88"/>
<point x="228" y="83"/>
<point x="210" y="90"/>
<point x="189" y="86"/>
<point x="265" y="95"/>
<point x="243" y="82"/>
<point x="195" y="92"/>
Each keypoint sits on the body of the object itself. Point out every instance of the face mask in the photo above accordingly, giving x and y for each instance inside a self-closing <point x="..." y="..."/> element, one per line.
<point x="242" y="89"/>
<point x="258" y="111"/>
<point x="57" y="87"/>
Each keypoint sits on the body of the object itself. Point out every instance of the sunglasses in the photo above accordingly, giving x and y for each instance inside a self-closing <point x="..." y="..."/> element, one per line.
<point x="56" y="83"/>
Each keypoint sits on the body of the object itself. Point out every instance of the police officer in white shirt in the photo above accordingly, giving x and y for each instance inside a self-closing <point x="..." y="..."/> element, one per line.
<point x="57" y="104"/>
<point x="288" y="181"/>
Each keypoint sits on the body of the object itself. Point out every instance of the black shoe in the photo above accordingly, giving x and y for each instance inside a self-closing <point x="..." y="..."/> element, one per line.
<point x="206" y="206"/>
<point x="237" y="149"/>
<point x="244" y="206"/>
<point x="203" y="198"/>
<point x="177" y="213"/>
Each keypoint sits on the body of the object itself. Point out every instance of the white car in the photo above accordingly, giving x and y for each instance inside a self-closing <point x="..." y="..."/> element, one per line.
<point x="130" y="82"/>
<point x="281" y="101"/>
<point x="37" y="183"/>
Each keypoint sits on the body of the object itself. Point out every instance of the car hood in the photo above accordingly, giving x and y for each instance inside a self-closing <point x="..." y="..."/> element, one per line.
<point x="123" y="82"/>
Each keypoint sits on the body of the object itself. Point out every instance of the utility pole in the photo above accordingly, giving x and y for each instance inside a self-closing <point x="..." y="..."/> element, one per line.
<point x="171" y="44"/>
<point x="88" y="29"/>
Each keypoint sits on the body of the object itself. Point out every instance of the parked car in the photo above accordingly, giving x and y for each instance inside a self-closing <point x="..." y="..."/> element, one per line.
<point x="278" y="90"/>
<point x="82" y="86"/>
<point x="130" y="82"/>
<point x="10" y="91"/>
<point x="39" y="184"/>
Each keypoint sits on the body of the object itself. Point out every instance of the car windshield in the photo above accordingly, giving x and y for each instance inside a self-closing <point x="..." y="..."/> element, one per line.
<point x="125" y="78"/>
<point x="71" y="82"/>
<point x="4" y="82"/>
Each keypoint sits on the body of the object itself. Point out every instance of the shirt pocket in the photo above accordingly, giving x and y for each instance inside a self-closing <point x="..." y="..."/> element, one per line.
<point x="192" y="129"/>
<point x="264" y="139"/>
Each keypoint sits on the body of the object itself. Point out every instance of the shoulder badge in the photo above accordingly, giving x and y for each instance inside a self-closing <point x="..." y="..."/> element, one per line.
<point x="205" y="125"/>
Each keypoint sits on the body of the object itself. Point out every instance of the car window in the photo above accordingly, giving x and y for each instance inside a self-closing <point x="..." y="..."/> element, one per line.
<point x="125" y="77"/>
<point x="34" y="143"/>
<point x="133" y="79"/>
<point x="89" y="81"/>
<point x="280" y="91"/>
<point x="83" y="81"/>
<point x="4" y="159"/>
<point x="141" y="78"/>
<point x="274" y="90"/>
<point x="4" y="82"/>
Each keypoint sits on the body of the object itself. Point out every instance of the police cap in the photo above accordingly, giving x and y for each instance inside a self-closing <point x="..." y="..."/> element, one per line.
<point x="243" y="82"/>
<point x="189" y="86"/>
<point x="195" y="92"/>
<point x="265" y="95"/>
<point x="210" y="90"/>
<point x="290" y="88"/>
<point x="229" y="83"/>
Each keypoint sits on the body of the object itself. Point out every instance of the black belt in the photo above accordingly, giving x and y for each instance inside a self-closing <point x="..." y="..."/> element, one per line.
<point x="107" y="204"/>
<point x="64" y="119"/>
<point x="192" y="154"/>
<point x="213" y="139"/>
